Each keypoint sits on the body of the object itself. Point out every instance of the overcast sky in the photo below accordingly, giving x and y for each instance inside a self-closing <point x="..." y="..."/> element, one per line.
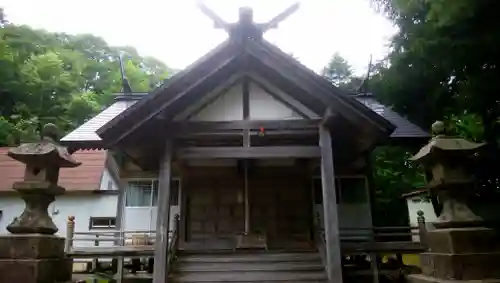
<point x="177" y="33"/>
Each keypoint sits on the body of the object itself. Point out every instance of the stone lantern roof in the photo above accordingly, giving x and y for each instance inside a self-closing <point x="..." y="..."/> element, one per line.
<point x="448" y="158"/>
<point x="443" y="144"/>
<point x="46" y="152"/>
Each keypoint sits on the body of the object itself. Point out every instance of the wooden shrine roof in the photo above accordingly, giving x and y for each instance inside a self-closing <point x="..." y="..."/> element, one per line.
<point x="218" y="66"/>
<point x="244" y="53"/>
<point x="86" y="137"/>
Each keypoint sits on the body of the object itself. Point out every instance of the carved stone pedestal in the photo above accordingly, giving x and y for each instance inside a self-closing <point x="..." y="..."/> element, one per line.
<point x="462" y="254"/>
<point x="33" y="258"/>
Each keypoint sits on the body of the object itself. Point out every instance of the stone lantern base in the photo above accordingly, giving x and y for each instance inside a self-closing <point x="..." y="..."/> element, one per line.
<point x="33" y="258"/>
<point x="460" y="254"/>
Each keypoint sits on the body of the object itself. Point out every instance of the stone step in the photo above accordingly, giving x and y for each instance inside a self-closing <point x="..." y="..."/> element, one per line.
<point x="257" y="257"/>
<point x="248" y="266"/>
<point x="250" y="276"/>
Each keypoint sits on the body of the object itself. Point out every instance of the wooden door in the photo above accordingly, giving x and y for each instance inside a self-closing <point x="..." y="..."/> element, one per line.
<point x="215" y="209"/>
<point x="280" y="206"/>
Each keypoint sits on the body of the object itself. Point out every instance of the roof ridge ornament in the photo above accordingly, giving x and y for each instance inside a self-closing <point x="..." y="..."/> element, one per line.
<point x="246" y="28"/>
<point x="126" y="88"/>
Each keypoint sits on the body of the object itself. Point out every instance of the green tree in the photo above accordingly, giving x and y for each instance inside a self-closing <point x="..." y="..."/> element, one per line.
<point x="444" y="58"/>
<point x="338" y="70"/>
<point x="63" y="79"/>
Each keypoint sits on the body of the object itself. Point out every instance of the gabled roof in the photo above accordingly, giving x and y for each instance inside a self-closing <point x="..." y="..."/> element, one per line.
<point x="86" y="177"/>
<point x="86" y="135"/>
<point x="258" y="56"/>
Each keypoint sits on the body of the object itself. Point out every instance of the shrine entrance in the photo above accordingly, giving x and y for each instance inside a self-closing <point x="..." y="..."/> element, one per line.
<point x="269" y="201"/>
<point x="280" y="207"/>
<point x="215" y="209"/>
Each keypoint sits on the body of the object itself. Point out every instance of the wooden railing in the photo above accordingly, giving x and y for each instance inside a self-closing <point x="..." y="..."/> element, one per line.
<point x="126" y="244"/>
<point x="375" y="241"/>
<point x="383" y="239"/>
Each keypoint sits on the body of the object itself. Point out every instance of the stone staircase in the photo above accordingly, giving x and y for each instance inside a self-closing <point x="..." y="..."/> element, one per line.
<point x="246" y="266"/>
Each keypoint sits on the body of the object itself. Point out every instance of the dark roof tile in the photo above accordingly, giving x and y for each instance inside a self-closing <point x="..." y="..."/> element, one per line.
<point x="404" y="128"/>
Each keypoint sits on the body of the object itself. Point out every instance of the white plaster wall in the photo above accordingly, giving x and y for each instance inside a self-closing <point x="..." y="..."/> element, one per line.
<point x="144" y="218"/>
<point x="82" y="207"/>
<point x="138" y="218"/>
<point x="416" y="203"/>
<point x="228" y="107"/>
<point x="264" y="107"/>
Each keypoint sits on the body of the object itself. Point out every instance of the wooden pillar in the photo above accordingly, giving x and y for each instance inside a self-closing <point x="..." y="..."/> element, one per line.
<point x="160" y="272"/>
<point x="246" y="143"/>
<point x="370" y="186"/>
<point x="332" y="239"/>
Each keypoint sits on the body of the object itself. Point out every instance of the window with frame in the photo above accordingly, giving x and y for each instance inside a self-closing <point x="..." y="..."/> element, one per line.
<point x="98" y="223"/>
<point x="144" y="193"/>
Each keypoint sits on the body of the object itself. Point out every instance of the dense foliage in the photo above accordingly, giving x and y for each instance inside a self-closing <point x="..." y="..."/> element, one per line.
<point x="443" y="65"/>
<point x="63" y="79"/>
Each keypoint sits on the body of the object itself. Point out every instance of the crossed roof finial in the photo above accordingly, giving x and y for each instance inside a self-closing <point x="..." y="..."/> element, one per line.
<point x="245" y="26"/>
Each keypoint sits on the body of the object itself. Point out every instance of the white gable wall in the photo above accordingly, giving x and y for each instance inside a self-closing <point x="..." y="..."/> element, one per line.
<point x="228" y="107"/>
<point x="262" y="105"/>
<point x="256" y="93"/>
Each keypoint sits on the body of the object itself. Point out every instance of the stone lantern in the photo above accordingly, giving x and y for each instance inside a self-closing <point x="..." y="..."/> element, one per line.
<point x="32" y="253"/>
<point x="449" y="160"/>
<point x="461" y="247"/>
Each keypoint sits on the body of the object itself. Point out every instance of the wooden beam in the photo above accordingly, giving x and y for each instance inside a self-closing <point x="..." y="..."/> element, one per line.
<point x="249" y="152"/>
<point x="332" y="239"/>
<point x="246" y="110"/>
<point x="182" y="128"/>
<point x="268" y="133"/>
<point x="279" y="98"/>
<point x="160" y="274"/>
